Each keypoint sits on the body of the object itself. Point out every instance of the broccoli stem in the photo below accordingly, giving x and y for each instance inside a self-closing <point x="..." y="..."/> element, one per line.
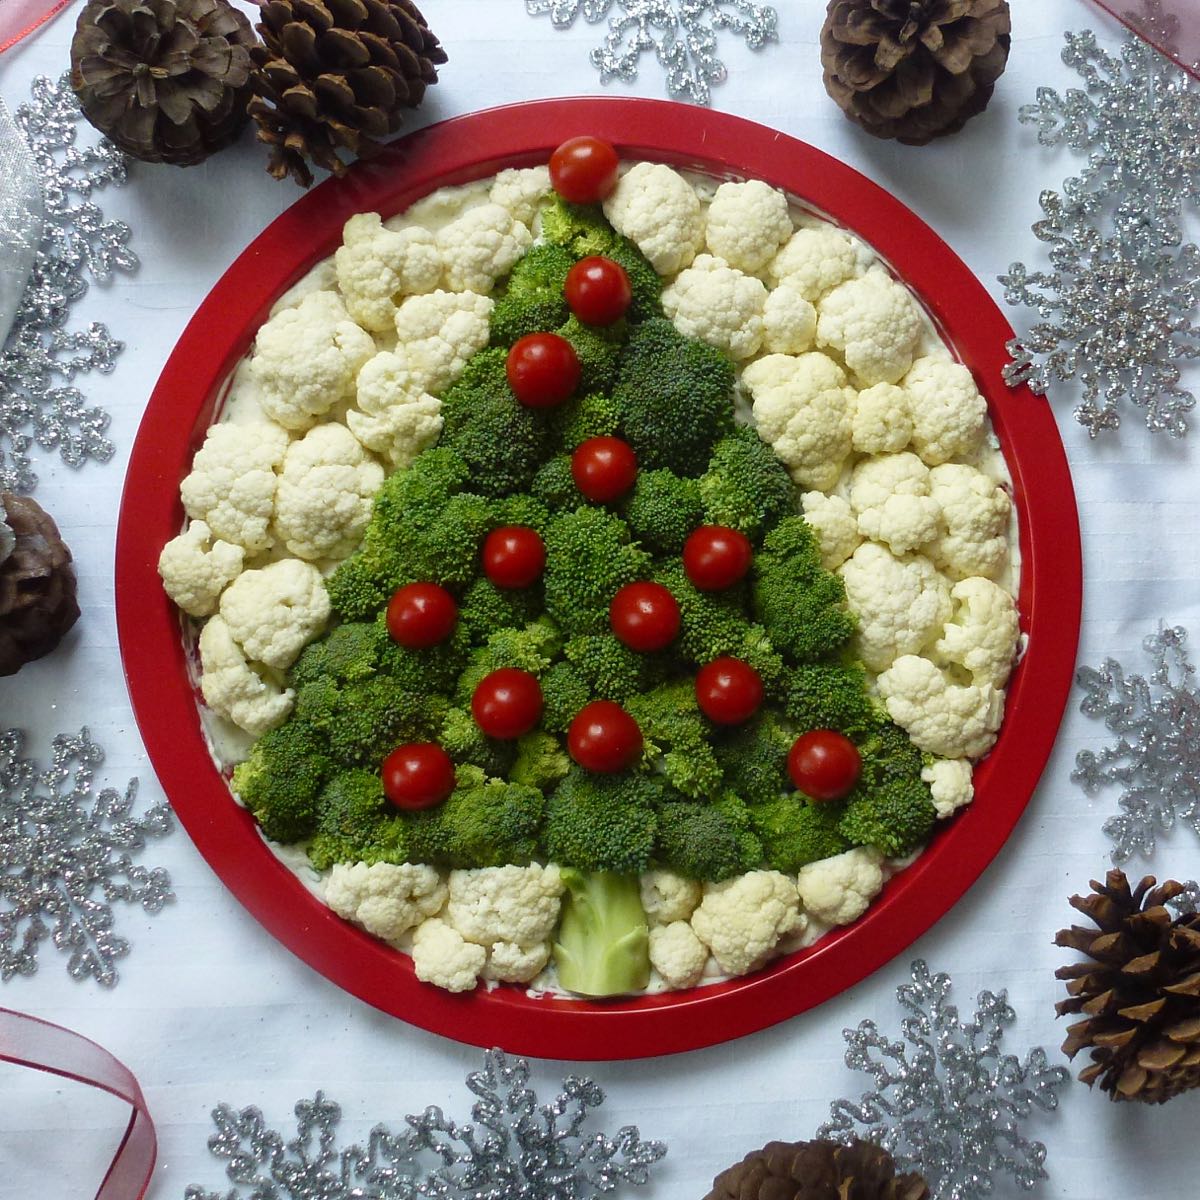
<point x="603" y="941"/>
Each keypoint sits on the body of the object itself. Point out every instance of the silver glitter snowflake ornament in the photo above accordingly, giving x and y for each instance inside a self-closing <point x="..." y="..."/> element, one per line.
<point x="1156" y="757"/>
<point x="682" y="36"/>
<point x="948" y="1104"/>
<point x="519" y="1149"/>
<point x="41" y="357"/>
<point x="66" y="858"/>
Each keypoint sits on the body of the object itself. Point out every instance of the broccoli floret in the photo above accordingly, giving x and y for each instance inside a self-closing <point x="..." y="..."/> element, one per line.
<point x="602" y="822"/>
<point x="602" y="945"/>
<point x="801" y="605"/>
<point x="710" y="623"/>
<point x="663" y="509"/>
<point x="356" y="824"/>
<point x="894" y="817"/>
<point x="794" y="833"/>
<point x="541" y="761"/>
<point x="597" y="351"/>
<point x="709" y="842"/>
<point x="580" y="228"/>
<point x="644" y="281"/>
<point x="830" y="696"/>
<point x="426" y="669"/>
<point x="416" y="495"/>
<point x="588" y="558"/>
<point x="348" y="653"/>
<point x="531" y="649"/>
<point x="282" y="779"/>
<point x="593" y="415"/>
<point x="483" y="824"/>
<point x="674" y="397"/>
<point x="746" y="486"/>
<point x="533" y="300"/>
<point x="677" y="734"/>
<point x="467" y="744"/>
<point x="611" y="669"/>
<point x="754" y="758"/>
<point x="554" y="485"/>
<point x="521" y="509"/>
<point x="485" y="609"/>
<point x="564" y="693"/>
<point x="887" y="755"/>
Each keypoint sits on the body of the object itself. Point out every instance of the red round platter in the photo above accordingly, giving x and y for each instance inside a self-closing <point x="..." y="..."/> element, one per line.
<point x="165" y="702"/>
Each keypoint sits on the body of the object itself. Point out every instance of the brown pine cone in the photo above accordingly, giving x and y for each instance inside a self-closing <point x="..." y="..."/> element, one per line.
<point x="914" y="69"/>
<point x="817" y="1171"/>
<point x="167" y="80"/>
<point x="337" y="75"/>
<point x="37" y="584"/>
<point x="1139" y="989"/>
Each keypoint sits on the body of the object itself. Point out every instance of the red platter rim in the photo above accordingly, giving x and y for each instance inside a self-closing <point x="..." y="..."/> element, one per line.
<point x="181" y="407"/>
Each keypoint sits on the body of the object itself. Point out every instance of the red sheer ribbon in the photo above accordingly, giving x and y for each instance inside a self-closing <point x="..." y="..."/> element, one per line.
<point x="19" y="18"/>
<point x="31" y="1042"/>
<point x="1171" y="26"/>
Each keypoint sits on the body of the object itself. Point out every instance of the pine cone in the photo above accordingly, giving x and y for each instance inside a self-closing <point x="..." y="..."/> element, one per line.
<point x="817" y="1171"/>
<point x="1139" y="989"/>
<point x="337" y="74"/>
<point x="37" y="585"/>
<point x="167" y="80"/>
<point x="914" y="69"/>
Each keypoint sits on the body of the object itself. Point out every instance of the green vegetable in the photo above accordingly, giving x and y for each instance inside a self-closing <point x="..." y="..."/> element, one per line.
<point x="564" y="693"/>
<point x="533" y="300"/>
<point x="754" y="758"/>
<point x="467" y="744"/>
<point x="710" y="623"/>
<point x="794" y="833"/>
<point x="531" y="649"/>
<point x="707" y="841"/>
<point x="597" y="351"/>
<point x="540" y="760"/>
<point x="281" y="780"/>
<point x="602" y="822"/>
<point x="895" y="817"/>
<point x="830" y="696"/>
<point x="602" y="945"/>
<point x="483" y="824"/>
<point x="677" y="736"/>
<point x="357" y="824"/>
<point x="486" y="609"/>
<point x="746" y="486"/>
<point x="663" y="509"/>
<point x="588" y="416"/>
<point x="554" y="485"/>
<point x="611" y="670"/>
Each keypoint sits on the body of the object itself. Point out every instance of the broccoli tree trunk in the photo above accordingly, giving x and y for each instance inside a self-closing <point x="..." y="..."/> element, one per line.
<point x="602" y="947"/>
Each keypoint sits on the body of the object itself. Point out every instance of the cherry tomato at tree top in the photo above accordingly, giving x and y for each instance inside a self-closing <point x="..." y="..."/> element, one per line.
<point x="507" y="703"/>
<point x="583" y="170"/>
<point x="543" y="370"/>
<point x="728" y="691"/>
<point x="824" y="764"/>
<point x="604" y="738"/>
<point x="645" y="616"/>
<point x="716" y="557"/>
<point x="598" y="290"/>
<point x="417" y="775"/>
<point x="513" y="556"/>
<point x="420" y="615"/>
<point x="604" y="468"/>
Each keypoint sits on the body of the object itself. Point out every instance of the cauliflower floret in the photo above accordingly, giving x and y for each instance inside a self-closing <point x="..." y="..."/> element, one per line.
<point x="802" y="407"/>
<point x="882" y="422"/>
<point x="376" y="266"/>
<point x="233" y="689"/>
<point x="901" y="604"/>
<point x="840" y="889"/>
<point x="441" y="957"/>
<point x="950" y="785"/>
<point x="981" y="635"/>
<point x="742" y="919"/>
<point x="323" y="502"/>
<point x="306" y="359"/>
<point x="509" y="962"/>
<point x="505" y="904"/>
<point x="721" y="306"/>
<point x="274" y="612"/>
<point x="941" y="717"/>
<point x="194" y="568"/>
<point x="231" y="487"/>
<point x="394" y="417"/>
<point x="668" y="897"/>
<point x="789" y="321"/>
<point x="439" y="333"/>
<point x="385" y="899"/>
<point x="747" y="223"/>
<point x="481" y="246"/>
<point x="890" y="496"/>
<point x="658" y="210"/>
<point x="976" y="512"/>
<point x="836" y="526"/>
<point x="949" y="415"/>
<point x="814" y="261"/>
<point x="874" y="323"/>
<point x="677" y="954"/>
<point x="521" y="191"/>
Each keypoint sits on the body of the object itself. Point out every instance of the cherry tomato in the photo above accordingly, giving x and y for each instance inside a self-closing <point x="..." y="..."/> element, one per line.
<point x="421" y="614"/>
<point x="728" y="691"/>
<point x="598" y="290"/>
<point x="645" y="616"/>
<point x="507" y="703"/>
<point x="604" y="738"/>
<point x="417" y="775"/>
<point x="543" y="370"/>
<point x="513" y="556"/>
<point x="604" y="468"/>
<point x="716" y="557"/>
<point x="824" y="764"/>
<point x="583" y="170"/>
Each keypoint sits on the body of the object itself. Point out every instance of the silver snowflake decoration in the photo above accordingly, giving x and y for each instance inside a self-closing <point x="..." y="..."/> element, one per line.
<point x="948" y="1104"/>
<point x="66" y="858"/>
<point x="41" y="356"/>
<point x="1118" y="311"/>
<point x="1155" y="759"/>
<point x="682" y="36"/>
<point x="518" y="1150"/>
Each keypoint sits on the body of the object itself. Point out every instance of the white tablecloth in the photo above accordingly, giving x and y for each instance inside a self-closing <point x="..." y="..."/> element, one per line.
<point x="209" y="1008"/>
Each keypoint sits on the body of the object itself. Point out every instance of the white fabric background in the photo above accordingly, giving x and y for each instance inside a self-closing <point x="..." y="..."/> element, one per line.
<point x="209" y="1008"/>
